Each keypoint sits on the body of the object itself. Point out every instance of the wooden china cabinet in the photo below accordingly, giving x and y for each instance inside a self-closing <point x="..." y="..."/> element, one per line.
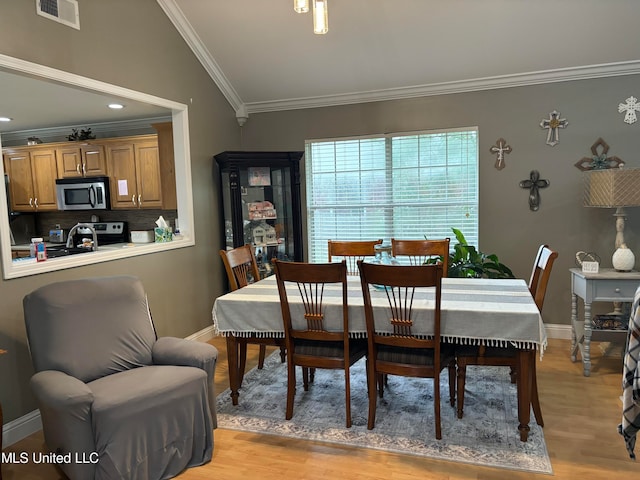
<point x="260" y="204"/>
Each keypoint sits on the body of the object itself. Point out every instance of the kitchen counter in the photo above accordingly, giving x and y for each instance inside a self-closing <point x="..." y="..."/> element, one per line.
<point x="114" y="247"/>
<point x="22" y="267"/>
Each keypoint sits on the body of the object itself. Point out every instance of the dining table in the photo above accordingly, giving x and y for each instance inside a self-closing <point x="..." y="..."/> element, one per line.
<point x="474" y="311"/>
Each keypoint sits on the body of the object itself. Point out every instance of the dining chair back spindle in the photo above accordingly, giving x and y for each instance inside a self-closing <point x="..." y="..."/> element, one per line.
<point x="302" y="288"/>
<point x="508" y="356"/>
<point x="351" y="252"/>
<point x="242" y="269"/>
<point x="401" y="352"/>
<point x="419" y="252"/>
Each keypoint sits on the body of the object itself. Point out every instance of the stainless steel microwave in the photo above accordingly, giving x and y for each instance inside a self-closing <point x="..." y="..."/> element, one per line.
<point x="86" y="193"/>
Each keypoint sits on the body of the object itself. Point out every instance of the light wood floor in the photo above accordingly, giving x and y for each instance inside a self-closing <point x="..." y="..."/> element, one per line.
<point x="581" y="415"/>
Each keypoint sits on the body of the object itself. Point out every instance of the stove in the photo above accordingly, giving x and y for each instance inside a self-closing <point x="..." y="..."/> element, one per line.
<point x="108" y="233"/>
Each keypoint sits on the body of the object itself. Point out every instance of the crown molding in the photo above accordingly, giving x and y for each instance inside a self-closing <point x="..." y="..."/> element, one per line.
<point x="243" y="110"/>
<point x="447" y="88"/>
<point x="201" y="52"/>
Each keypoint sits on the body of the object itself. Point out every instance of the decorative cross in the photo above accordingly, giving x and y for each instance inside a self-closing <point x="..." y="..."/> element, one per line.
<point x="631" y="107"/>
<point x="500" y="148"/>
<point x="552" y="124"/>
<point x="598" y="161"/>
<point x="533" y="184"/>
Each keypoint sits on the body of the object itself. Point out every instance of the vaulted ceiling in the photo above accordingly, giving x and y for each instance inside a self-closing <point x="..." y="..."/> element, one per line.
<point x="265" y="57"/>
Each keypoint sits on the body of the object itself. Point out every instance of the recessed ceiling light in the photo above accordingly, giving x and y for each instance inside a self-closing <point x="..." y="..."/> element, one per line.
<point x="5" y="119"/>
<point x="116" y="106"/>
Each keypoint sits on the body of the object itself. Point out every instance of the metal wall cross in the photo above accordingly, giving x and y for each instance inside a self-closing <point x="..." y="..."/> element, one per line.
<point x="533" y="184"/>
<point x="500" y="148"/>
<point x="553" y="124"/>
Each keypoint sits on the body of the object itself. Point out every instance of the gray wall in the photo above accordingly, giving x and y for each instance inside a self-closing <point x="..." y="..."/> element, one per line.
<point x="507" y="227"/>
<point x="133" y="45"/>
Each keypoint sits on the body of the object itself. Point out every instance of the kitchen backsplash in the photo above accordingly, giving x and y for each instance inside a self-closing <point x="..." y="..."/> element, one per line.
<point x="136" y="219"/>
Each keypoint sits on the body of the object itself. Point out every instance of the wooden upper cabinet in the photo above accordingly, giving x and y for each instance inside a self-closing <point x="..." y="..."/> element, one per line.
<point x="32" y="179"/>
<point x="81" y="161"/>
<point x="122" y="175"/>
<point x="141" y="170"/>
<point x="149" y="181"/>
<point x="167" y="164"/>
<point x="133" y="165"/>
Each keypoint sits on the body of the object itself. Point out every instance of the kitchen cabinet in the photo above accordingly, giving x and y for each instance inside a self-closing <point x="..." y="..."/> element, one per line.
<point x="85" y="160"/>
<point x="134" y="169"/>
<point x="32" y="178"/>
<point x="261" y="204"/>
<point x="167" y="164"/>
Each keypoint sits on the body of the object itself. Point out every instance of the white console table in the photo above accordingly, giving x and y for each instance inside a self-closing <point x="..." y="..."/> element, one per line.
<point x="608" y="285"/>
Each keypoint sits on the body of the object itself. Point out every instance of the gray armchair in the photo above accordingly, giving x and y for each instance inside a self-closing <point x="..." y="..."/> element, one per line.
<point x="118" y="401"/>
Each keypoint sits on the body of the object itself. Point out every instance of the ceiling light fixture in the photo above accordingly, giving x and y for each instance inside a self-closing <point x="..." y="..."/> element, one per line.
<point x="320" y="14"/>
<point x="115" y="106"/>
<point x="301" y="6"/>
<point x="320" y="17"/>
<point x="5" y="119"/>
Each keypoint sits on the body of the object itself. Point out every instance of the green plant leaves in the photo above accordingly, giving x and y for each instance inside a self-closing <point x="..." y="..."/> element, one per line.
<point x="467" y="262"/>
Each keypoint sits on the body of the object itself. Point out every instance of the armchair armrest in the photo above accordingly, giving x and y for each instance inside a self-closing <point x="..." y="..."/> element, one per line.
<point x="65" y="407"/>
<point x="189" y="353"/>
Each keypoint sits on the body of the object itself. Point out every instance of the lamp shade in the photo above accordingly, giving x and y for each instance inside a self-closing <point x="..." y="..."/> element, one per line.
<point x="613" y="187"/>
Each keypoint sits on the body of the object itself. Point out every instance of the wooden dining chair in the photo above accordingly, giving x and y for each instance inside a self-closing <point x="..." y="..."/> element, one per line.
<point x="310" y="344"/>
<point x="419" y="252"/>
<point x="397" y="350"/>
<point x="508" y="356"/>
<point x="242" y="269"/>
<point x="351" y="252"/>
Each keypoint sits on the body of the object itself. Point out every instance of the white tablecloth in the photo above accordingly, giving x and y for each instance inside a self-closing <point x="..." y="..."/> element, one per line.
<point x="474" y="311"/>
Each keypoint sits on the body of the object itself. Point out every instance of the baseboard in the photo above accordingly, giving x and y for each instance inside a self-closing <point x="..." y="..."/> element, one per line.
<point x="555" y="330"/>
<point x="30" y="423"/>
<point x="203" y="335"/>
<point x="20" y="428"/>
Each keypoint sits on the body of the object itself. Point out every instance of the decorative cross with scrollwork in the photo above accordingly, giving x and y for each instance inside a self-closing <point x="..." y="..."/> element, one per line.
<point x="553" y="124"/>
<point x="534" y="183"/>
<point x="500" y="148"/>
<point x="630" y="107"/>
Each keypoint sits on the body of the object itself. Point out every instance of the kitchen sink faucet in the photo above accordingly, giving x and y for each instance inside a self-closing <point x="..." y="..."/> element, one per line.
<point x="79" y="226"/>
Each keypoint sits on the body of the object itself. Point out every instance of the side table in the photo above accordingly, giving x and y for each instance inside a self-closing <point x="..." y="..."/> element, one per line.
<point x="608" y="285"/>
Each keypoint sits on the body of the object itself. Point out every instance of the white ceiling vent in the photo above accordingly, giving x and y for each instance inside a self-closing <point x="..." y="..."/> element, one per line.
<point x="61" y="11"/>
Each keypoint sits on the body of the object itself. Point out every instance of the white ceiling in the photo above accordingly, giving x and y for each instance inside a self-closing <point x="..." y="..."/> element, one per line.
<point x="265" y="57"/>
<point x="36" y="103"/>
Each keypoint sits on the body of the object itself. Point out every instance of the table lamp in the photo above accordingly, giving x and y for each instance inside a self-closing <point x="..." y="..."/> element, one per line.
<point x="615" y="188"/>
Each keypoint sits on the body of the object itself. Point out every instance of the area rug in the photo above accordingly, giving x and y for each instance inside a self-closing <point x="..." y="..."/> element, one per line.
<point x="487" y="435"/>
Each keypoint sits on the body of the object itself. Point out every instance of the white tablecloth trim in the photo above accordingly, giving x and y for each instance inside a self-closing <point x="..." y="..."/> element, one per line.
<point x="460" y="340"/>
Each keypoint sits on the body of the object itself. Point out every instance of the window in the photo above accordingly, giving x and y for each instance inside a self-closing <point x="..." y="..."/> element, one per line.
<point x="182" y="160"/>
<point x="403" y="185"/>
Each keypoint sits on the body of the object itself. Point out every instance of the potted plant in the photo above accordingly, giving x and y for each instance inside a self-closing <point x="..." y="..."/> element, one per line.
<point x="467" y="262"/>
<point x="79" y="136"/>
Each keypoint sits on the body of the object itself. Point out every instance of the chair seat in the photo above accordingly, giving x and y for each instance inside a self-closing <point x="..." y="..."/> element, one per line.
<point x="357" y="349"/>
<point x="474" y="351"/>
<point x="415" y="356"/>
<point x="151" y="422"/>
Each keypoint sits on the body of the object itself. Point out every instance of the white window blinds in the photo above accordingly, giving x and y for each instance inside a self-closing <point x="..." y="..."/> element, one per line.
<point x="409" y="185"/>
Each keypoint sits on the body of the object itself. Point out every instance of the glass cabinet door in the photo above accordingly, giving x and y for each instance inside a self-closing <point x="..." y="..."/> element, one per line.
<point x="261" y="204"/>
